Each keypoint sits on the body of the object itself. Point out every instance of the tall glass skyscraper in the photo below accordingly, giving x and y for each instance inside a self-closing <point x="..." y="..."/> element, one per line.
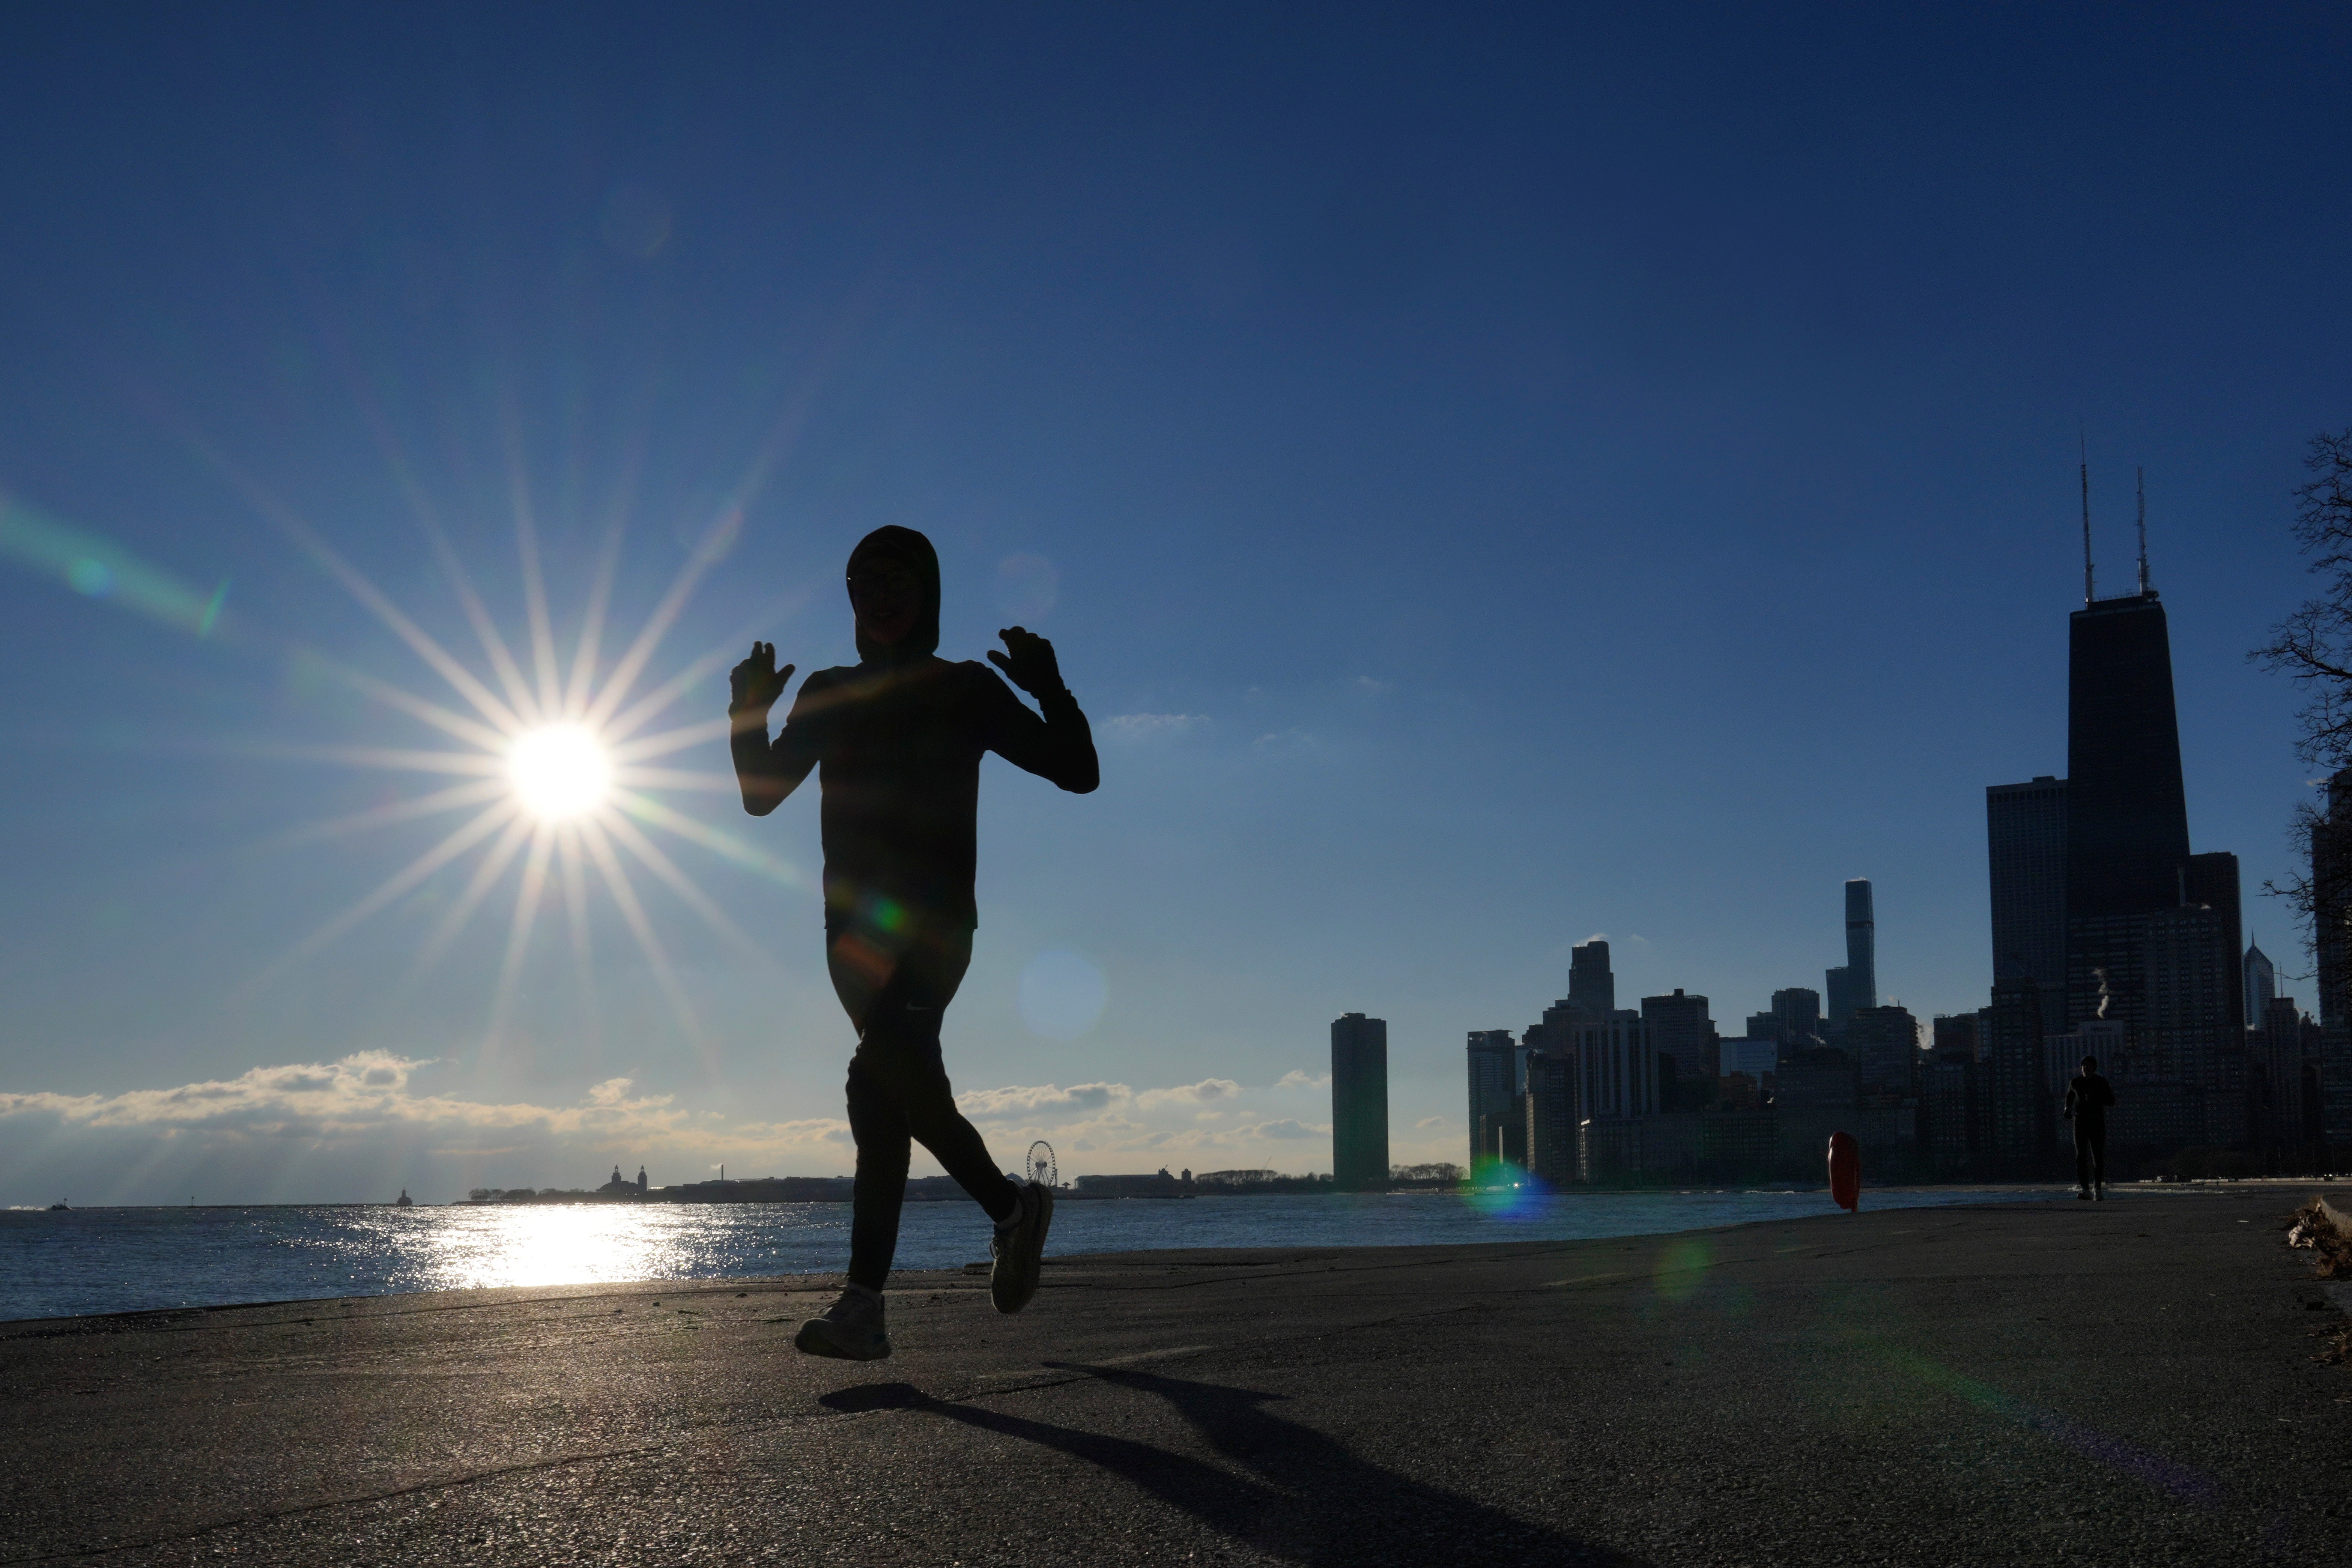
<point x="1861" y="943"/>
<point x="2025" y="846"/>
<point x="1591" y="984"/>
<point x="2126" y="817"/>
<point x="1359" y="1104"/>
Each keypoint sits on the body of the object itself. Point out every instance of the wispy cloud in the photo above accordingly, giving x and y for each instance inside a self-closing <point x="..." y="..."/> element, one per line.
<point x="1295" y="1079"/>
<point x="1287" y="1128"/>
<point x="1207" y="1091"/>
<point x="1153" y="726"/>
<point x="1021" y="1101"/>
<point x="330" y="1100"/>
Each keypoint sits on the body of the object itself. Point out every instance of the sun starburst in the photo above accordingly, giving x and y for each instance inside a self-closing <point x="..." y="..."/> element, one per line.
<point x="558" y="762"/>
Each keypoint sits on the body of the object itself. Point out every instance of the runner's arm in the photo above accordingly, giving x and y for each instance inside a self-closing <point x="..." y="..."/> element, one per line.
<point x="1059" y="747"/>
<point x="767" y="770"/>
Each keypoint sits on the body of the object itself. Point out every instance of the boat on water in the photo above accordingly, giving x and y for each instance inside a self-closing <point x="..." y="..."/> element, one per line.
<point x="59" y="1207"/>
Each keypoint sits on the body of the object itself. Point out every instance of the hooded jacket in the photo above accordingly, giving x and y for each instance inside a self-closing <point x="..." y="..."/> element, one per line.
<point x="896" y="741"/>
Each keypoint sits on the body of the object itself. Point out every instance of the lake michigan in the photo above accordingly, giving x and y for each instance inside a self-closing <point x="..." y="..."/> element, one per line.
<point x="131" y="1259"/>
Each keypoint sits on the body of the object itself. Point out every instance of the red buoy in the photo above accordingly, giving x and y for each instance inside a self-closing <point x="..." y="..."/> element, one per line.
<point x="1846" y="1171"/>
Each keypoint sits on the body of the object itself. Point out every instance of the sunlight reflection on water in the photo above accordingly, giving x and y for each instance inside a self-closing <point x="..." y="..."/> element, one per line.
<point x="127" y="1260"/>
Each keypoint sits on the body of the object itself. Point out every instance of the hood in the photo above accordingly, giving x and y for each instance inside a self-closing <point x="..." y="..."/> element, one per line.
<point x="907" y="545"/>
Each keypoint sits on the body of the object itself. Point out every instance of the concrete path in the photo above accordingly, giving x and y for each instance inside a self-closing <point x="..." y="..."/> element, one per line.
<point x="2127" y="1383"/>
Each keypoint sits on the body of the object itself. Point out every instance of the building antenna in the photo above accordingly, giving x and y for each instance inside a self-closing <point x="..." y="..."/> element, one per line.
<point x="2088" y="597"/>
<point x="2142" y="475"/>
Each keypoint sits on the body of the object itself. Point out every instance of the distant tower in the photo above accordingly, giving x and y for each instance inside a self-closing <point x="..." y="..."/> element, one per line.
<point x="1795" y="1020"/>
<point x="1359" y="1104"/>
<point x="2126" y="817"/>
<point x="2261" y="986"/>
<point x="641" y="1180"/>
<point x="1861" y="944"/>
<point x="2025" y="847"/>
<point x="1494" y="1086"/>
<point x="1680" y="1030"/>
<point x="1591" y="985"/>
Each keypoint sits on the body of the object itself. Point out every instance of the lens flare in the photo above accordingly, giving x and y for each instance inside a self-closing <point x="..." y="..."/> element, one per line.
<point x="560" y="770"/>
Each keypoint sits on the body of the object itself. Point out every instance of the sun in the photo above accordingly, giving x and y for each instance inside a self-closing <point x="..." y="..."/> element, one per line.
<point x="560" y="770"/>
<point x="561" y="763"/>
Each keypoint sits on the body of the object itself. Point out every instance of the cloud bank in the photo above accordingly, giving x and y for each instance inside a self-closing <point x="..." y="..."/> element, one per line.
<point x="366" y="1125"/>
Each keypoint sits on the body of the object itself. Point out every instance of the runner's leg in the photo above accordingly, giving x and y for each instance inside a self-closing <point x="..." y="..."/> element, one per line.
<point x="861" y="968"/>
<point x="902" y="1039"/>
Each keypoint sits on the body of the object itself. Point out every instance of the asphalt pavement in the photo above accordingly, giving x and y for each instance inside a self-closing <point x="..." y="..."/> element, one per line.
<point x="2132" y="1382"/>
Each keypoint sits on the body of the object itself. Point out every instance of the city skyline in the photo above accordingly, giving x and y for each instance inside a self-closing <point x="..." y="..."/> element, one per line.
<point x="1464" y="550"/>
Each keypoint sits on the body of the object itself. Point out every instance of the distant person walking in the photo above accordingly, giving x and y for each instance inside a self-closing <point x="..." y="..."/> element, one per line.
<point x="2087" y="1098"/>
<point x="896" y="741"/>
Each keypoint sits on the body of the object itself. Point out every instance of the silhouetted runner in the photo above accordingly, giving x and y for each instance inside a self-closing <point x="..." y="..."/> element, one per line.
<point x="896" y="741"/>
<point x="2087" y="1098"/>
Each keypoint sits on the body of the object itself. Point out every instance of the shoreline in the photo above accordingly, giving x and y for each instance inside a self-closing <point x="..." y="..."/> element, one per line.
<point x="1990" y="1192"/>
<point x="1725" y="1189"/>
<point x="2023" y="1381"/>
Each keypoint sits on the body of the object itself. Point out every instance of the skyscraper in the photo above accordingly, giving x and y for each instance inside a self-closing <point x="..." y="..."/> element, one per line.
<point x="2211" y="880"/>
<point x="2126" y="817"/>
<point x="2261" y="986"/>
<point x="2278" y="1048"/>
<point x="1681" y="1031"/>
<point x="1591" y="985"/>
<point x="1494" y="1085"/>
<point x="1884" y="1043"/>
<point x="1359" y="1104"/>
<point x="1796" y="1018"/>
<point x="1861" y="944"/>
<point x="2331" y="940"/>
<point x="2025" y="843"/>
<point x="2016" y="1104"/>
<point x="1552" y="1114"/>
<point x="1616" y="1067"/>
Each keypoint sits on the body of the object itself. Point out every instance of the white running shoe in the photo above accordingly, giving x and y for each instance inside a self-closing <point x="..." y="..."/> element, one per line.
<point x="849" y="1330"/>
<point x="1019" y="1249"/>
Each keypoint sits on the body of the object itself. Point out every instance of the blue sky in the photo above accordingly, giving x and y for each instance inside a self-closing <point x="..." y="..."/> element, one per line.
<point x="1494" y="477"/>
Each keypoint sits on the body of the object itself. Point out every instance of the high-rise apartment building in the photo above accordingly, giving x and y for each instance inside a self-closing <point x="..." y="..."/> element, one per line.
<point x="1591" y="984"/>
<point x="2278" y="1052"/>
<point x="2025" y="844"/>
<point x="1553" y="1115"/>
<point x="1950" y="1105"/>
<point x="1884" y="1043"/>
<point x="1796" y="1018"/>
<point x="2211" y="880"/>
<point x="2331" y="897"/>
<point x="1494" y="1086"/>
<point x="1955" y="1033"/>
<point x="1841" y="994"/>
<point x="2016" y="1104"/>
<point x="1616" y="1067"/>
<point x="1359" y="1104"/>
<point x="1681" y="1031"/>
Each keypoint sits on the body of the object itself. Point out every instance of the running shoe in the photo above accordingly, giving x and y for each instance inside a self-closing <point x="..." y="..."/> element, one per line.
<point x="1019" y="1249"/>
<point x="849" y="1330"/>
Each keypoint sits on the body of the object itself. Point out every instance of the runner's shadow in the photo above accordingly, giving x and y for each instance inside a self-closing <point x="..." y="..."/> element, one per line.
<point x="1306" y="1498"/>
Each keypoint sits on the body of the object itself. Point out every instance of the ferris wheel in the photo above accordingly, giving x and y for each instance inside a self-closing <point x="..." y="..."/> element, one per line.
<point x="1041" y="1166"/>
